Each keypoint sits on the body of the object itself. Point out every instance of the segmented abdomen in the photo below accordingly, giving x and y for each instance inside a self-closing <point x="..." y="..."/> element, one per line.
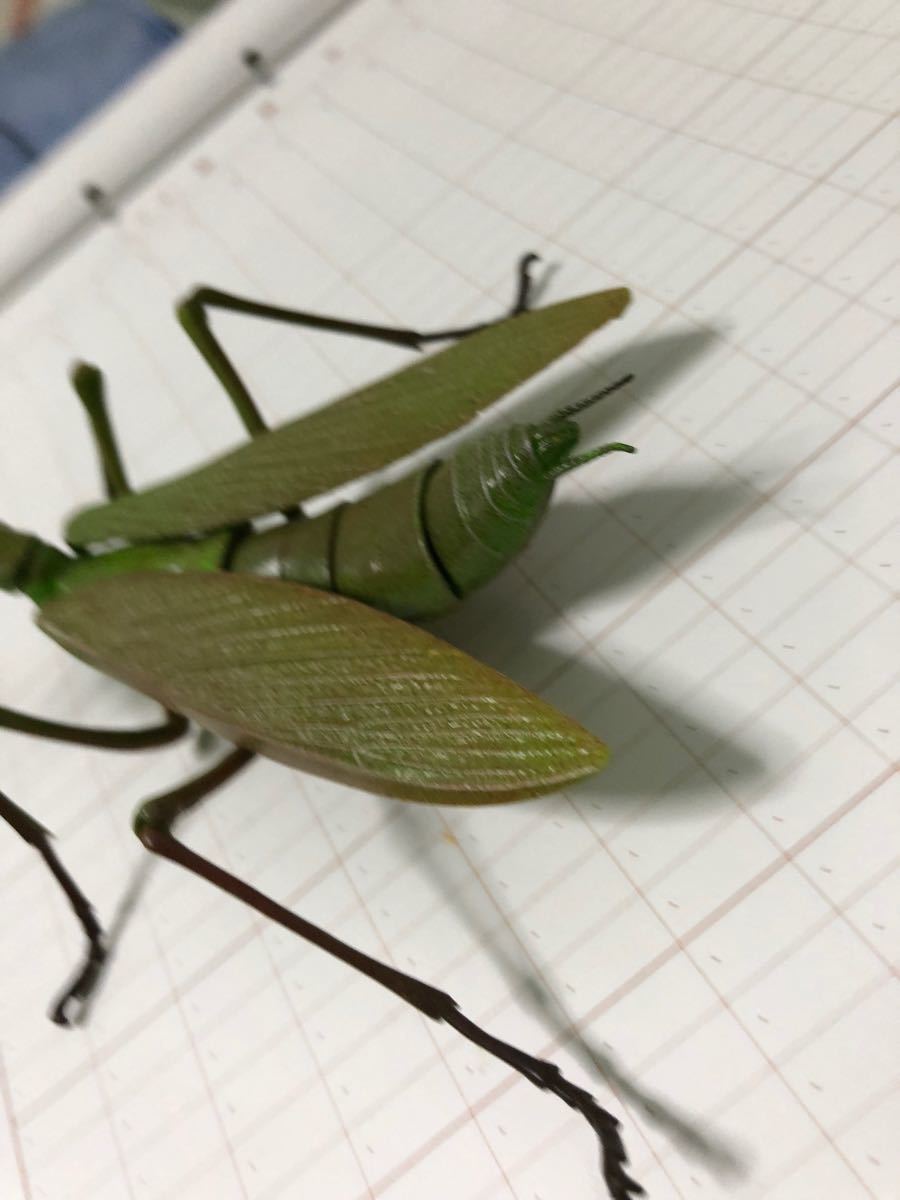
<point x="415" y="547"/>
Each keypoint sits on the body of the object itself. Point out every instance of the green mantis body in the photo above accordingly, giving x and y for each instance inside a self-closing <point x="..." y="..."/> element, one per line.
<point x="294" y="641"/>
<point x="413" y="548"/>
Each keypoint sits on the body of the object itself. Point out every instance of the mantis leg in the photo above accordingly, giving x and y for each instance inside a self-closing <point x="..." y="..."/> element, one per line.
<point x="73" y="998"/>
<point x="87" y="381"/>
<point x="36" y="835"/>
<point x="172" y="728"/>
<point x="153" y="825"/>
<point x="192" y="313"/>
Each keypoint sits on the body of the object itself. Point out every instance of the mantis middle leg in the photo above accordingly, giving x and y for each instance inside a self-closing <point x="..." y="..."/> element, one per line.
<point x="36" y="835"/>
<point x="170" y="730"/>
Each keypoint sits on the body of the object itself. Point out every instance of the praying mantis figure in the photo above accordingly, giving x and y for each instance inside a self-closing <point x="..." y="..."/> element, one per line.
<point x="297" y="642"/>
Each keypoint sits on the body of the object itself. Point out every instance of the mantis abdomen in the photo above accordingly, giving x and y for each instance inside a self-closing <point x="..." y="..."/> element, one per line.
<point x="417" y="546"/>
<point x="412" y="549"/>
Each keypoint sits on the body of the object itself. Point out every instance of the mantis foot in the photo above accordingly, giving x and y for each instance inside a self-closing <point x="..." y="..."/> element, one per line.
<point x="548" y="1077"/>
<point x="69" y="1007"/>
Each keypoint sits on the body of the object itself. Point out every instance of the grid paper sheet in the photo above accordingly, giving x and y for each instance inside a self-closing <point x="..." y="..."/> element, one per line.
<point x="716" y="914"/>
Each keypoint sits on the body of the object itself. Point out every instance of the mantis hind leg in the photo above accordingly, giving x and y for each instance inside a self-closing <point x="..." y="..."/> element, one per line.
<point x="87" y="381"/>
<point x="192" y="314"/>
<point x="153" y="825"/>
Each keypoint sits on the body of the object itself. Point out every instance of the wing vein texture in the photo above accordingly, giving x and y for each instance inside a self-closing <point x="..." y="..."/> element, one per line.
<point x="325" y="684"/>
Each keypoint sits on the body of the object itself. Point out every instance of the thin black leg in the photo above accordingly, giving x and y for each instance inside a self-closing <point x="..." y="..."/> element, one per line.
<point x="36" y="835"/>
<point x="171" y="730"/>
<point x="153" y="825"/>
<point x="521" y="303"/>
<point x="75" y="995"/>
<point x="65" y="1008"/>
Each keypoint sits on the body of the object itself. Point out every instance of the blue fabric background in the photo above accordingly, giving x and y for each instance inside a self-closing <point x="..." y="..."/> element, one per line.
<point x="66" y="68"/>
